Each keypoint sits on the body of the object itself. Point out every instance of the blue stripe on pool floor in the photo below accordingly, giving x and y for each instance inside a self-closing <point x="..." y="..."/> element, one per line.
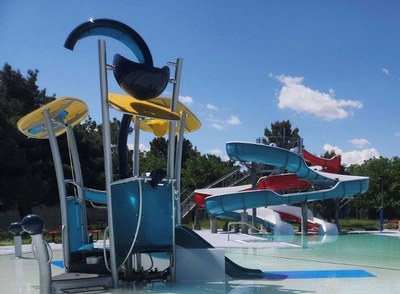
<point x="58" y="263"/>
<point x="317" y="274"/>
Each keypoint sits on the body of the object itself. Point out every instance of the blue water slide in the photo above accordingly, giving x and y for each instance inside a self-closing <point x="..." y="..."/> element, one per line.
<point x="278" y="157"/>
<point x="219" y="204"/>
<point x="333" y="185"/>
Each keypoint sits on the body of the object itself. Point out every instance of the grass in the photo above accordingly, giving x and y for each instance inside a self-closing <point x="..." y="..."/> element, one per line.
<point x="358" y="224"/>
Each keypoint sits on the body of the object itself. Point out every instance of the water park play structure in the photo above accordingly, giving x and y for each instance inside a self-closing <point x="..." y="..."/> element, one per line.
<point x="270" y="196"/>
<point x="143" y="210"/>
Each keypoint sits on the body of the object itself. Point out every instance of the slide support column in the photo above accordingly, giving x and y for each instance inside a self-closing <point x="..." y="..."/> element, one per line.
<point x="304" y="217"/>
<point x="244" y="218"/>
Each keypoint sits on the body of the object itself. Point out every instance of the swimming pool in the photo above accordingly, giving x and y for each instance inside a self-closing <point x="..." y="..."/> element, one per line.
<point x="352" y="263"/>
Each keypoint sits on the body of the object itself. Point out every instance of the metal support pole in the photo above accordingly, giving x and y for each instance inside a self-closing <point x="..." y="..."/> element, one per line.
<point x="337" y="210"/>
<point x="179" y="150"/>
<point x="136" y="148"/>
<point x="382" y="205"/>
<point x="107" y="155"/>
<point x="17" y="246"/>
<point x="171" y="172"/>
<point x="78" y="179"/>
<point x="301" y="146"/>
<point x="43" y="259"/>
<point x="304" y="218"/>
<point x="172" y="125"/>
<point x="75" y="162"/>
<point x="213" y="224"/>
<point x="243" y="219"/>
<point x="60" y="184"/>
<point x="253" y="187"/>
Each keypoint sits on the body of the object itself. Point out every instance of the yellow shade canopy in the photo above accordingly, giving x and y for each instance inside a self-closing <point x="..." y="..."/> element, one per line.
<point x="160" y="128"/>
<point x="66" y="111"/>
<point x="146" y="109"/>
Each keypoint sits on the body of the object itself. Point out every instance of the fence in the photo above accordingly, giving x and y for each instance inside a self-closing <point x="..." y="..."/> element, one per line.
<point x="51" y="216"/>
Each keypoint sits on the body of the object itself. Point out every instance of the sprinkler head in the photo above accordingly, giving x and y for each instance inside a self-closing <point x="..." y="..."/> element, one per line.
<point x="32" y="224"/>
<point x="15" y="228"/>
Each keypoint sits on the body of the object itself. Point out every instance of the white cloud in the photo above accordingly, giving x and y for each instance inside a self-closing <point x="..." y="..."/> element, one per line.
<point x="187" y="100"/>
<point x="220" y="124"/>
<point x="219" y="153"/>
<point x="336" y="149"/>
<point x="233" y="120"/>
<point x="397" y="134"/>
<point x="359" y="143"/>
<point x="142" y="147"/>
<point x="294" y="95"/>
<point x="211" y="106"/>
<point x="353" y="157"/>
<point x="386" y="71"/>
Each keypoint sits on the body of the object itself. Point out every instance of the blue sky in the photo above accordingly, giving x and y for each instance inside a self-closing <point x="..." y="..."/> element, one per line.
<point x="331" y="68"/>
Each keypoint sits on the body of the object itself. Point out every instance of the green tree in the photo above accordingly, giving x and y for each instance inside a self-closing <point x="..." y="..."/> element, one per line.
<point x="384" y="182"/>
<point x="156" y="157"/>
<point x="282" y="134"/>
<point x="202" y="170"/>
<point x="25" y="165"/>
<point x="89" y="142"/>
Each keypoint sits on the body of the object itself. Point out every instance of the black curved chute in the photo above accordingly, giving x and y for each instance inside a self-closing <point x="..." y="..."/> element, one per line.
<point x="129" y="37"/>
<point x="113" y="29"/>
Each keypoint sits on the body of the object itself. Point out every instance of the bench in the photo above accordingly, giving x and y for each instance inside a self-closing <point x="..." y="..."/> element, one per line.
<point x="53" y="235"/>
<point x="393" y="224"/>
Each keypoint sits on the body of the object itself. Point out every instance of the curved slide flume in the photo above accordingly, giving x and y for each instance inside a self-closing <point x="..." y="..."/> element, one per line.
<point x="331" y="185"/>
<point x="330" y="165"/>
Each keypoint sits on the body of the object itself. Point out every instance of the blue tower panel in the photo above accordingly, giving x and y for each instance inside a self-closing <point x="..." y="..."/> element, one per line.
<point x="148" y="229"/>
<point x="75" y="222"/>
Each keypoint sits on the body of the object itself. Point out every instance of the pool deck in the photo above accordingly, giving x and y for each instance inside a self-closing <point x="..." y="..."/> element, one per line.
<point x="20" y="275"/>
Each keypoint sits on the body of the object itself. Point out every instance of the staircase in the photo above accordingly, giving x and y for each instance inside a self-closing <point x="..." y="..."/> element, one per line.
<point x="231" y="179"/>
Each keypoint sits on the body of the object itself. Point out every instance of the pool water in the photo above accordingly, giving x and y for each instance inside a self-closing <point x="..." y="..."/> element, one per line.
<point x="352" y="263"/>
<point x="358" y="250"/>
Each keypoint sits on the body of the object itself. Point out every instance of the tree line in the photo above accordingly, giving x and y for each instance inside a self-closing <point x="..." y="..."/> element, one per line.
<point x="27" y="176"/>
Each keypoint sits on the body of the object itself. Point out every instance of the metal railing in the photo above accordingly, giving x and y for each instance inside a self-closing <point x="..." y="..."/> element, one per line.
<point x="188" y="204"/>
<point x="240" y="223"/>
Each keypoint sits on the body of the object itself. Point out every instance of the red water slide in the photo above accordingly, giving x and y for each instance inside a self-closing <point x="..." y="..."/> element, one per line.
<point x="331" y="165"/>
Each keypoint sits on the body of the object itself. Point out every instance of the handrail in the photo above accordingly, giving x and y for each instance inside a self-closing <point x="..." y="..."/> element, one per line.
<point x="189" y="199"/>
<point x="240" y="223"/>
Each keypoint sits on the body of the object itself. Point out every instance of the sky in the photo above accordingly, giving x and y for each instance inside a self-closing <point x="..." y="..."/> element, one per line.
<point x="331" y="68"/>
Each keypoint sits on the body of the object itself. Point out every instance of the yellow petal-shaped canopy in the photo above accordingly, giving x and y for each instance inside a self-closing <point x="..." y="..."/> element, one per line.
<point x="136" y="107"/>
<point x="160" y="128"/>
<point x="66" y="111"/>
